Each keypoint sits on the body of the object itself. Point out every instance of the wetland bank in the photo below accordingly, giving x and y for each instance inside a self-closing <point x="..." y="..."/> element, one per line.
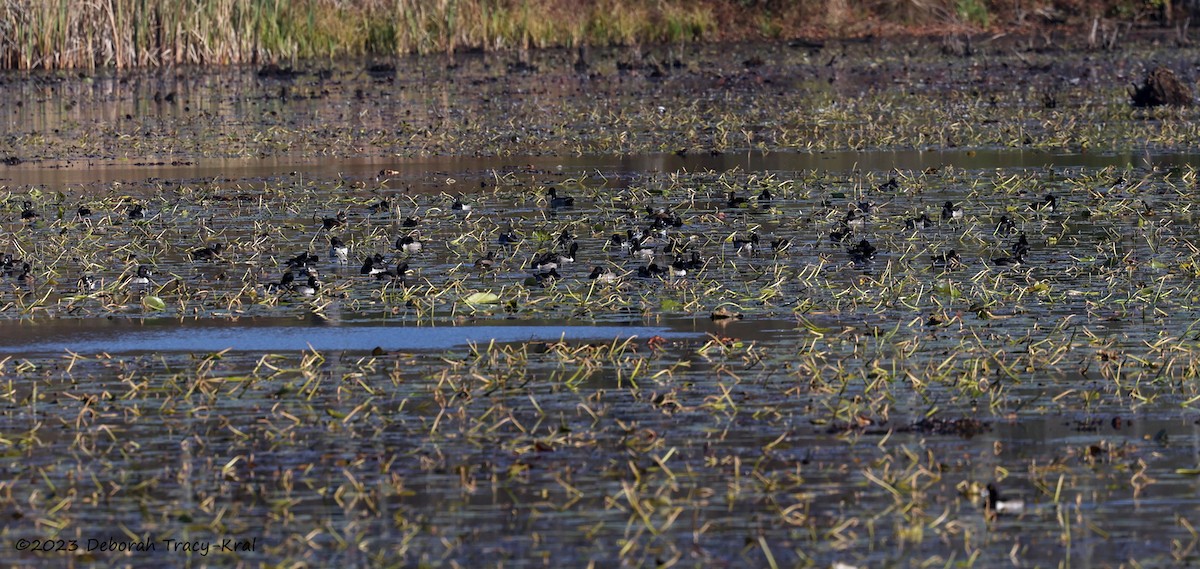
<point x="758" y="389"/>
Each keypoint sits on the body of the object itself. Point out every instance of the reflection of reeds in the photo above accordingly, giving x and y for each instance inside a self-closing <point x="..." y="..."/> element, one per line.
<point x="127" y="33"/>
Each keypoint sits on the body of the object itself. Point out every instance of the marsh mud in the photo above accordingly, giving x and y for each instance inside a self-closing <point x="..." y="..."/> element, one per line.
<point x="866" y="280"/>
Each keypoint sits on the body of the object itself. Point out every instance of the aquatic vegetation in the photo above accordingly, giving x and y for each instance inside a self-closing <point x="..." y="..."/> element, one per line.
<point x="802" y="355"/>
<point x="836" y="373"/>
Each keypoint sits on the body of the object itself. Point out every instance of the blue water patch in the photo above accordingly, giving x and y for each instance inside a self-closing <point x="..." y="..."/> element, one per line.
<point x="125" y="339"/>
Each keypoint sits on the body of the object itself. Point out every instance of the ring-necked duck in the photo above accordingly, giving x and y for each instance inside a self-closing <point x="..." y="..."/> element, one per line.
<point x="947" y="260"/>
<point x="304" y="260"/>
<point x="1000" y="505"/>
<point x="1005" y="226"/>
<point x="1046" y="205"/>
<point x="335" y="221"/>
<point x="921" y="222"/>
<point x="208" y="253"/>
<point x="339" y="253"/>
<point x="409" y="243"/>
<point x="486" y="262"/>
<point x="603" y="275"/>
<point x="736" y="201"/>
<point x="559" y="201"/>
<point x="862" y="252"/>
<point x="951" y="212"/>
<point x="142" y="278"/>
<point x="746" y="246"/>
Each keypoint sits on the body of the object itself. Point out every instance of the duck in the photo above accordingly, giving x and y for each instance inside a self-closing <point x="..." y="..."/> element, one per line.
<point x="661" y="218"/>
<point x="569" y="256"/>
<point x="603" y="275"/>
<point x="736" y="201"/>
<point x="208" y="253"/>
<point x="998" y="505"/>
<point x="26" y="275"/>
<point x="951" y="212"/>
<point x="304" y="260"/>
<point x="855" y="218"/>
<point x="947" y="260"/>
<point x="83" y="211"/>
<point x="486" y="262"/>
<point x="411" y="221"/>
<point x="396" y="274"/>
<point x="551" y="260"/>
<point x="1020" y="247"/>
<point x="678" y="267"/>
<point x="136" y="211"/>
<point x="840" y="232"/>
<point x="564" y="239"/>
<point x="677" y="246"/>
<point x="640" y="249"/>
<point x="382" y="206"/>
<point x="285" y="283"/>
<point x="671" y="220"/>
<point x="1015" y="260"/>
<point x="920" y="222"/>
<point x="8" y="264"/>
<point x="650" y="271"/>
<point x="765" y="197"/>
<point x="862" y="252"/>
<point x="747" y="245"/>
<point x="1046" y="205"/>
<point x="459" y="206"/>
<point x="28" y="213"/>
<point x="86" y="283"/>
<point x="619" y="241"/>
<point x="543" y="278"/>
<point x="557" y="201"/>
<point x="339" y="253"/>
<point x="1005" y="226"/>
<point x="780" y="244"/>
<point x="409" y="244"/>
<point x="373" y="265"/>
<point x="335" y="221"/>
<point x="142" y="278"/>
<point x="308" y="288"/>
<point x="507" y="238"/>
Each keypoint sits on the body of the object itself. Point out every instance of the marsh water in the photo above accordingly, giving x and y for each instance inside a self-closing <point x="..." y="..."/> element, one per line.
<point x="784" y="401"/>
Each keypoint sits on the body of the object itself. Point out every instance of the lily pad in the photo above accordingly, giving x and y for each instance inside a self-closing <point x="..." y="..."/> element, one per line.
<point x="154" y="303"/>
<point x="482" y="298"/>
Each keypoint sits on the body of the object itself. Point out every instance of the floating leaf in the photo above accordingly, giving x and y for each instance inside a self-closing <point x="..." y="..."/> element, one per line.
<point x="482" y="298"/>
<point x="154" y="303"/>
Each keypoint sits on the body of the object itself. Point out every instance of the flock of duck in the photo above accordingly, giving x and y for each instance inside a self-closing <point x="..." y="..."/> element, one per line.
<point x="655" y="243"/>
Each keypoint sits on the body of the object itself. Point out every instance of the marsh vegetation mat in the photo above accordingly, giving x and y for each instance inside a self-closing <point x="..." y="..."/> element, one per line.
<point x="807" y="359"/>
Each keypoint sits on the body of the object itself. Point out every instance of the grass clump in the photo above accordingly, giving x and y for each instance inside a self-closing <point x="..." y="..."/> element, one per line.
<point x="58" y="34"/>
<point x="137" y="33"/>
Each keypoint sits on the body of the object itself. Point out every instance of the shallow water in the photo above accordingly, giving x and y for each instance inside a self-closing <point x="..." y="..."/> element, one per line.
<point x="849" y="412"/>
<point x="125" y="338"/>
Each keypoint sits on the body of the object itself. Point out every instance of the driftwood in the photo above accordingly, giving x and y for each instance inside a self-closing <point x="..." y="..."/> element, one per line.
<point x="1162" y="87"/>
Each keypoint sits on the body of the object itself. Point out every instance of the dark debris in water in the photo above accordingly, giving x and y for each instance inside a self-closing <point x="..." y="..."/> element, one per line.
<point x="1162" y="87"/>
<point x="965" y="427"/>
